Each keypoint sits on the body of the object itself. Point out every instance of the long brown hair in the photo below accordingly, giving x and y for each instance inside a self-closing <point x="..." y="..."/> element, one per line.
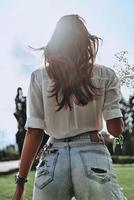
<point x="69" y="59"/>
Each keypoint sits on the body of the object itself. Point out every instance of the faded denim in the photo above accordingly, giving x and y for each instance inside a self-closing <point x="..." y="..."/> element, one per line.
<point x="77" y="168"/>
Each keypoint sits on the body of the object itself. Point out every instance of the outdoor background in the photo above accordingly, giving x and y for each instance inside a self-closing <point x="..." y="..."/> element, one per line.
<point x="32" y="22"/>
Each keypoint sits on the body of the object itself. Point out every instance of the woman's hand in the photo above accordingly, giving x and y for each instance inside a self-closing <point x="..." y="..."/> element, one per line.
<point x="115" y="126"/>
<point x="19" y="193"/>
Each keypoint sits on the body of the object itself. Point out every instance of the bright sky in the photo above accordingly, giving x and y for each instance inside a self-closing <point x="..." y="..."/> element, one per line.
<point x="32" y="22"/>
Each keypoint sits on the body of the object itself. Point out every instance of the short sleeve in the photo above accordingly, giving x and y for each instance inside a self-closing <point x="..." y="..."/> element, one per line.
<point x="34" y="110"/>
<point x="111" y="108"/>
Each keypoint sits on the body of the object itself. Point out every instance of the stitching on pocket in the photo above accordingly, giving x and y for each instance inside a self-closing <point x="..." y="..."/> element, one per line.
<point x="88" y="164"/>
<point x="45" y="173"/>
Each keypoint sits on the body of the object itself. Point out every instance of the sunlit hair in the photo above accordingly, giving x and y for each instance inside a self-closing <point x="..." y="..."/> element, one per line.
<point x="69" y="59"/>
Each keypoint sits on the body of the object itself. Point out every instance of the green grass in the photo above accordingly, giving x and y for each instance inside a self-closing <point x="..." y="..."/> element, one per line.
<point x="125" y="174"/>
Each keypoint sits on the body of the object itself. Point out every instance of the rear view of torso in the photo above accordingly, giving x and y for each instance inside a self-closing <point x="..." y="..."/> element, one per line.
<point x="66" y="123"/>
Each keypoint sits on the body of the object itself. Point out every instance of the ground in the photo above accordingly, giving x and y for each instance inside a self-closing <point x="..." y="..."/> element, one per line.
<point x="125" y="174"/>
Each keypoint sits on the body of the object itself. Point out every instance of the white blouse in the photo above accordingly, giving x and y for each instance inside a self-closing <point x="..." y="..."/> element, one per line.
<point x="65" y="123"/>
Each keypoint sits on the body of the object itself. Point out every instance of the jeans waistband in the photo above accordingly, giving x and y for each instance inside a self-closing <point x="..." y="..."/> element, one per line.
<point x="86" y="138"/>
<point x="85" y="135"/>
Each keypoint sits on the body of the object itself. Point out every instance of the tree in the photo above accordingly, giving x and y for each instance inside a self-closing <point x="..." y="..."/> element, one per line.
<point x="125" y="73"/>
<point x="20" y="115"/>
<point x="124" y="70"/>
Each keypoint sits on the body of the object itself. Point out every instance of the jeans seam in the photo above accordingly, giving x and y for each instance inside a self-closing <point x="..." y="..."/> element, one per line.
<point x="70" y="171"/>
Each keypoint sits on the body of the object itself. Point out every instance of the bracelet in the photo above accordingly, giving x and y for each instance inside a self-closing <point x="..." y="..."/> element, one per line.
<point x="118" y="140"/>
<point x="20" y="179"/>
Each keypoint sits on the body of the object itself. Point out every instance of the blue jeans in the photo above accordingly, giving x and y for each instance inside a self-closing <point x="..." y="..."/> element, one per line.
<point x="76" y="167"/>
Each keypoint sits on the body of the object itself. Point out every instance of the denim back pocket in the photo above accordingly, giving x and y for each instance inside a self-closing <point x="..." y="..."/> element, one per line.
<point x="45" y="169"/>
<point x="96" y="165"/>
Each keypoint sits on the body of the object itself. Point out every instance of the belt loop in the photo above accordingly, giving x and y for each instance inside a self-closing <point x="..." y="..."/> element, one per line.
<point x="66" y="139"/>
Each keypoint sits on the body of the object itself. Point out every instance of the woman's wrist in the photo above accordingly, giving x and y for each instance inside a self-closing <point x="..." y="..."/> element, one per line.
<point x="20" y="180"/>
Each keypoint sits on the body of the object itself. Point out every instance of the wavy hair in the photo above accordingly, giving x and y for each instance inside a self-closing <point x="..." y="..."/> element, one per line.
<point x="69" y="59"/>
